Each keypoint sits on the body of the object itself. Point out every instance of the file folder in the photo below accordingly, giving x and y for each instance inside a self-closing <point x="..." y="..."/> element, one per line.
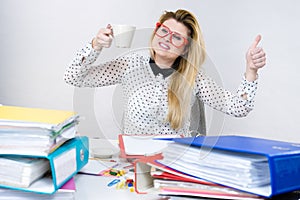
<point x="35" y="117"/>
<point x="283" y="159"/>
<point x="53" y="120"/>
<point x="32" y="131"/>
<point x="140" y="146"/>
<point x="64" y="162"/>
<point x="146" y="182"/>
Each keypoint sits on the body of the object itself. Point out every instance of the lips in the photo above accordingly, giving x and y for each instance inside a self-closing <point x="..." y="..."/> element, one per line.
<point x="164" y="46"/>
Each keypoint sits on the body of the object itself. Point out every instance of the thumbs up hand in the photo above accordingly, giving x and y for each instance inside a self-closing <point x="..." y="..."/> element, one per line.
<point x="256" y="59"/>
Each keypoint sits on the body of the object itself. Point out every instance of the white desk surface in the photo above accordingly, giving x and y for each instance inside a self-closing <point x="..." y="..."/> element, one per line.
<point x="89" y="187"/>
<point x="95" y="188"/>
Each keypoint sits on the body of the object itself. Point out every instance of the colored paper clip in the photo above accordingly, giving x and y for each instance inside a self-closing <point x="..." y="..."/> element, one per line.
<point x="113" y="182"/>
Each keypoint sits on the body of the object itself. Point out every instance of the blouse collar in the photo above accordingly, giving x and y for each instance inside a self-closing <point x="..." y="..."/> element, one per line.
<point x="164" y="72"/>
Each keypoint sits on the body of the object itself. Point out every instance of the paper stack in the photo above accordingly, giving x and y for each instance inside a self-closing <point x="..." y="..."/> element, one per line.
<point x="34" y="131"/>
<point x="40" y="149"/>
<point x="230" y="168"/>
<point x="153" y="177"/>
<point x="253" y="165"/>
<point x="21" y="171"/>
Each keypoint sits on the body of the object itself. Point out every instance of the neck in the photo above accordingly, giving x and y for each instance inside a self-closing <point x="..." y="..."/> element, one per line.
<point x="163" y="63"/>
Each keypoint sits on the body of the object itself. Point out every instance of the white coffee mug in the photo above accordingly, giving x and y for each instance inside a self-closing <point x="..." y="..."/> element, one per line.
<point x="123" y="35"/>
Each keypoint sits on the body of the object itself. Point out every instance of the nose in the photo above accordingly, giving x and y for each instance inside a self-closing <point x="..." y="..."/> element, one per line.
<point x="168" y="37"/>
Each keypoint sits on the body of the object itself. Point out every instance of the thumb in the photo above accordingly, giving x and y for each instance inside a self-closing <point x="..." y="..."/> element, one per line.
<point x="109" y="26"/>
<point x="256" y="41"/>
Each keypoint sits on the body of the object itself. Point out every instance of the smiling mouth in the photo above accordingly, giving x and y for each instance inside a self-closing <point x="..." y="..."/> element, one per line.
<point x="164" y="46"/>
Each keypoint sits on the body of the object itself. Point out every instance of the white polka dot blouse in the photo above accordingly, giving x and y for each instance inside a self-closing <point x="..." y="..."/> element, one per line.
<point x="145" y="94"/>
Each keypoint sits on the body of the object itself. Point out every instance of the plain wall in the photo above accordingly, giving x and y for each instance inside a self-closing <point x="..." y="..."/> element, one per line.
<point x="38" y="38"/>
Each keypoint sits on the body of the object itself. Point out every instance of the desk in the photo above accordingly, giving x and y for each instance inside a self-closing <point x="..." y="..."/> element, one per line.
<point x="89" y="187"/>
<point x="95" y="188"/>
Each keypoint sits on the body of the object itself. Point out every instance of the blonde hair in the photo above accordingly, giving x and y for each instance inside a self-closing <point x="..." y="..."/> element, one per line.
<point x="183" y="80"/>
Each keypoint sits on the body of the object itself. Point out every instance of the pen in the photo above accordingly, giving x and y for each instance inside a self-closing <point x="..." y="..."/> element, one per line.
<point x="128" y="166"/>
<point x="108" y="160"/>
<point x="113" y="182"/>
<point x="101" y="159"/>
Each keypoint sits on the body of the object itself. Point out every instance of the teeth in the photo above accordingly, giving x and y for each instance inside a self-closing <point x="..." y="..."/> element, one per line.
<point x="164" y="46"/>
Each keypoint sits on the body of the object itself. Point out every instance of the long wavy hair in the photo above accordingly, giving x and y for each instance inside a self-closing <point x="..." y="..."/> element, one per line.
<point x="183" y="80"/>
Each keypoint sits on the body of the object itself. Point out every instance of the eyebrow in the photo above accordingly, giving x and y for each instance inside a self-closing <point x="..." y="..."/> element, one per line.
<point x="175" y="31"/>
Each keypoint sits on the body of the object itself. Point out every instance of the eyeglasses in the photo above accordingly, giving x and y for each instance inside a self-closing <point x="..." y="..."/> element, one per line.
<point x="176" y="38"/>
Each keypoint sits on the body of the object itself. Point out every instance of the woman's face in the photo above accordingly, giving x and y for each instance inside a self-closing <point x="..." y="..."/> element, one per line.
<point x="170" y="40"/>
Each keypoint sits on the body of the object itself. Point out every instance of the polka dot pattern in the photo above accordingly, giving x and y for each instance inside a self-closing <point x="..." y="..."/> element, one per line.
<point x="223" y="100"/>
<point x="145" y="95"/>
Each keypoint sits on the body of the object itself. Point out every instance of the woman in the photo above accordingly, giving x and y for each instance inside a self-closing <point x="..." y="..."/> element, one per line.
<point x="159" y="88"/>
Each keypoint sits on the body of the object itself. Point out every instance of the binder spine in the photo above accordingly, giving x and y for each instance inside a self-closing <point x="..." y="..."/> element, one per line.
<point x="68" y="160"/>
<point x="285" y="173"/>
<point x="83" y="152"/>
<point x="65" y="166"/>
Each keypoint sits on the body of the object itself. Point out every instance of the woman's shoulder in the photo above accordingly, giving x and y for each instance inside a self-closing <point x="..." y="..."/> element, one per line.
<point x="201" y="74"/>
<point x="137" y="56"/>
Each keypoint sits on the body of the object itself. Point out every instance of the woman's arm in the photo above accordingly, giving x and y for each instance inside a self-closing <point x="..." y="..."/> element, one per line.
<point x="223" y="100"/>
<point x="80" y="71"/>
<point x="239" y="104"/>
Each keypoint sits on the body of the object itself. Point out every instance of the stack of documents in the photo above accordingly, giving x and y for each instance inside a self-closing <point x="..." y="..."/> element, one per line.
<point x="35" y="131"/>
<point x="254" y="165"/>
<point x="40" y="149"/>
<point x="45" y="174"/>
<point x="237" y="169"/>
<point x="22" y="171"/>
<point x="169" y="182"/>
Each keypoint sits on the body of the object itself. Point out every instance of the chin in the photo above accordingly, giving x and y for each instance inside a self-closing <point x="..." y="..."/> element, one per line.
<point x="165" y="53"/>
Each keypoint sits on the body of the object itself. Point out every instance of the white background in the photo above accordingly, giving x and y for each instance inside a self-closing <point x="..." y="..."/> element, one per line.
<point x="38" y="38"/>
